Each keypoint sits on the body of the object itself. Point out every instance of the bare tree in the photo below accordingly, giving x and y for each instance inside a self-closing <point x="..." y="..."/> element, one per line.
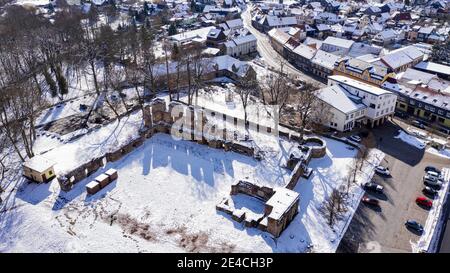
<point x="334" y="206"/>
<point x="246" y="87"/>
<point x="277" y="87"/>
<point x="306" y="103"/>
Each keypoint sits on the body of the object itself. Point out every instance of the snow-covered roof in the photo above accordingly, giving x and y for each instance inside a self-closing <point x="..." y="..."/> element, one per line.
<point x="39" y="163"/>
<point x="240" y="40"/>
<point x="336" y="97"/>
<point x="343" y="43"/>
<point x="305" y="51"/>
<point x="274" y="21"/>
<point x="402" y="56"/>
<point x="236" y="23"/>
<point x="434" y="67"/>
<point x="281" y="201"/>
<point x="359" y="49"/>
<point x="386" y="34"/>
<point x="416" y="75"/>
<point x="214" y="33"/>
<point x="200" y="33"/>
<point x="325" y="59"/>
<point x="359" y="85"/>
<point x="278" y="35"/>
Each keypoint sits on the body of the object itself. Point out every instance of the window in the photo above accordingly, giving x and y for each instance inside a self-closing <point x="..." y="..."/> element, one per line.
<point x="372" y="106"/>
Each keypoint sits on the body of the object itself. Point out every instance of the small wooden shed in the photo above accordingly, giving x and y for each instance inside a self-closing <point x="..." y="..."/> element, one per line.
<point x="39" y="169"/>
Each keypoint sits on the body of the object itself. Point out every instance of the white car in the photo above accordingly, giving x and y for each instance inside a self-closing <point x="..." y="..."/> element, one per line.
<point x="355" y="138"/>
<point x="435" y="175"/>
<point x="382" y="170"/>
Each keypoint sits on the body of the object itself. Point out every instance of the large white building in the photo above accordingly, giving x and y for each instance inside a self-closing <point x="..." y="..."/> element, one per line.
<point x="341" y="112"/>
<point x="355" y="103"/>
<point x="241" y="45"/>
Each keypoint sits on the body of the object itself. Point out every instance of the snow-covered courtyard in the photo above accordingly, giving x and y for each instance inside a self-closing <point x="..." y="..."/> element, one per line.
<point x="165" y="197"/>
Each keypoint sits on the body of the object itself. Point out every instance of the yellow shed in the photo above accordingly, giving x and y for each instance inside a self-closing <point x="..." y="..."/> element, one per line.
<point x="39" y="169"/>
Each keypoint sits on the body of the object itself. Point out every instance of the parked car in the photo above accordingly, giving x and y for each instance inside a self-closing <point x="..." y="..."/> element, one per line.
<point x="432" y="182"/>
<point x="373" y="187"/>
<point x="370" y="201"/>
<point x="414" y="225"/>
<point x="418" y="124"/>
<point x="424" y="202"/>
<point x="430" y="191"/>
<point x="355" y="138"/>
<point x="435" y="175"/>
<point x="382" y="170"/>
<point x="432" y="169"/>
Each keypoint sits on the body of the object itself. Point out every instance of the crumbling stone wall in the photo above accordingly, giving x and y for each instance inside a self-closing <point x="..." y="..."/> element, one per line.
<point x="114" y="156"/>
<point x="93" y="165"/>
<point x="297" y="172"/>
<point x="275" y="227"/>
<point x="248" y="188"/>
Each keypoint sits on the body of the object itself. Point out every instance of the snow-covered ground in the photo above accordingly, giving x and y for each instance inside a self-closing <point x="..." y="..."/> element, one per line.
<point x="411" y="140"/>
<point x="165" y="197"/>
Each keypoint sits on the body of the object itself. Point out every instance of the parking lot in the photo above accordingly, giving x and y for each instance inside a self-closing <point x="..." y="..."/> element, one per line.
<point x="382" y="229"/>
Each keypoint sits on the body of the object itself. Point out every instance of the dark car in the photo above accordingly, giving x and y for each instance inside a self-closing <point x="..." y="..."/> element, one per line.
<point x="422" y="201"/>
<point x="418" y="124"/>
<point x="412" y="224"/>
<point x="432" y="169"/>
<point x="373" y="187"/>
<point x="370" y="201"/>
<point x="429" y="191"/>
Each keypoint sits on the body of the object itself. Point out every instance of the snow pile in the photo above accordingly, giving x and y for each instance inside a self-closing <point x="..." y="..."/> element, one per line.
<point x="428" y="240"/>
<point x="443" y="152"/>
<point x="411" y="140"/>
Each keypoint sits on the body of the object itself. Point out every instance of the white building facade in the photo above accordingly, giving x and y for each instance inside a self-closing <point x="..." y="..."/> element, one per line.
<point x="380" y="103"/>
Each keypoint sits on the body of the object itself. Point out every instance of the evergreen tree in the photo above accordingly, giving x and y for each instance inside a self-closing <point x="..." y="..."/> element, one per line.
<point x="172" y="29"/>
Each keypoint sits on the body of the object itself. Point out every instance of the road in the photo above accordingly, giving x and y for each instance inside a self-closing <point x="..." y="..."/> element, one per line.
<point x="270" y="56"/>
<point x="382" y="229"/>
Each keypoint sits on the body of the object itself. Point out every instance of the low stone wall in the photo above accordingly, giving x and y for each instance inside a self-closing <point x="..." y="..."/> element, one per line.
<point x="248" y="188"/>
<point x="297" y="172"/>
<point x="317" y="151"/>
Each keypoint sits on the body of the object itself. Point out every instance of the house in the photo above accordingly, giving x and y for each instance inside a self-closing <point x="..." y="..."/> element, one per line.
<point x="277" y="39"/>
<point x="372" y="10"/>
<point x="343" y="112"/>
<point x="198" y="35"/>
<point x="385" y="37"/>
<point x="424" y="33"/>
<point x="232" y="24"/>
<point x="363" y="71"/>
<point x="322" y="64"/>
<point x="241" y="45"/>
<point x="215" y="37"/>
<point x="442" y="71"/>
<point x="336" y="45"/>
<point x="401" y="59"/>
<point x="302" y="57"/>
<point x="380" y="103"/>
<point x="431" y="107"/>
<point x="39" y="169"/>
<point x="269" y="22"/>
<point x="298" y="33"/>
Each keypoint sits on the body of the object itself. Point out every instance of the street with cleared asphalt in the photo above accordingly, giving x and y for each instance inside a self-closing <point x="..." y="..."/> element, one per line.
<point x="269" y="55"/>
